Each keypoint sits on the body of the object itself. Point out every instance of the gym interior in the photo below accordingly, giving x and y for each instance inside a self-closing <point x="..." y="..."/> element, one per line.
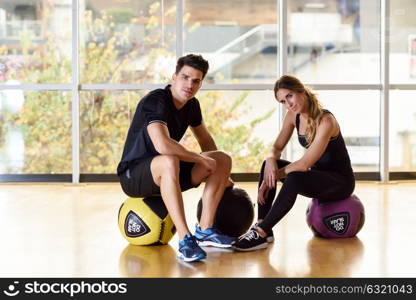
<point x="73" y="71"/>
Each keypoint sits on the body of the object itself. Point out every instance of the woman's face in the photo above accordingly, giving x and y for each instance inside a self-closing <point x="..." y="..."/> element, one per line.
<point x="296" y="102"/>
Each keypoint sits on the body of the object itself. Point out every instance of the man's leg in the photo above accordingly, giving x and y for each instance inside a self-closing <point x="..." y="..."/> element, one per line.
<point x="165" y="172"/>
<point x="215" y="184"/>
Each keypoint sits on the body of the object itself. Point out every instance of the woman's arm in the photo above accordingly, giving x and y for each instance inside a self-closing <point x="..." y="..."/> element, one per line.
<point x="284" y="135"/>
<point x="282" y="139"/>
<point x="326" y="128"/>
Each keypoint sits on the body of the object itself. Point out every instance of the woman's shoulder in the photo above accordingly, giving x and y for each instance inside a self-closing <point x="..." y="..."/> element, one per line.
<point x="291" y="117"/>
<point x="328" y="119"/>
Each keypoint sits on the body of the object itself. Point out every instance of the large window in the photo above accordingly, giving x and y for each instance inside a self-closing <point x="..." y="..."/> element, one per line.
<point x="73" y="71"/>
<point x="105" y="119"/>
<point x="402" y="42"/>
<point x="403" y="131"/>
<point x="402" y="74"/>
<point x="35" y="41"/>
<point x="35" y="132"/>
<point x="127" y="41"/>
<point x="334" y="41"/>
<point x="238" y="37"/>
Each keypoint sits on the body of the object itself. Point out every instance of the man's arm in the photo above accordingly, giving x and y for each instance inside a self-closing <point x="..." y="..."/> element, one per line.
<point x="165" y="145"/>
<point x="204" y="138"/>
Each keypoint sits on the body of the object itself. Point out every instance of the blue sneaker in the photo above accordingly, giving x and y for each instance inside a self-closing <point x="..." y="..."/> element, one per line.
<point x="189" y="250"/>
<point x="213" y="237"/>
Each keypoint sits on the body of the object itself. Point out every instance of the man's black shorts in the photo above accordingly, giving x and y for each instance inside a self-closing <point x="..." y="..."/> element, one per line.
<point x="138" y="181"/>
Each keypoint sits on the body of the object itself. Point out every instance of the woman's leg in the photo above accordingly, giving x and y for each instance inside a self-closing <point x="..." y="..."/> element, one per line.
<point x="313" y="184"/>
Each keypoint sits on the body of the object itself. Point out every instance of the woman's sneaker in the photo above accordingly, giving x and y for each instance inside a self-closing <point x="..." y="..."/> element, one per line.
<point x="189" y="250"/>
<point x="270" y="235"/>
<point x="250" y="241"/>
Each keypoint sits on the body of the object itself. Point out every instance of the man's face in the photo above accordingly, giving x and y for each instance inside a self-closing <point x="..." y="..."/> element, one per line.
<point x="186" y="83"/>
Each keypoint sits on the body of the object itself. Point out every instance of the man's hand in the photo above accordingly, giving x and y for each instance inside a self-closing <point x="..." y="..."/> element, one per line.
<point x="209" y="163"/>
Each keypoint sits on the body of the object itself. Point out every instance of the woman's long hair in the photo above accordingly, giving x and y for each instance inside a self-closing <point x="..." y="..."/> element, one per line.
<point x="315" y="108"/>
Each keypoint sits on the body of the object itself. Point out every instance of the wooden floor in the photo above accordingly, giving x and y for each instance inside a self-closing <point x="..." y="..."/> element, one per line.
<point x="64" y="230"/>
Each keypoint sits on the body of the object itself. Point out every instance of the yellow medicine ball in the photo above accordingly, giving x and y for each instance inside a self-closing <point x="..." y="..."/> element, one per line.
<point x="145" y="221"/>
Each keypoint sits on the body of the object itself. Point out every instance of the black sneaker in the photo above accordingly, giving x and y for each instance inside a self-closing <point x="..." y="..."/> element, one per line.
<point x="270" y="235"/>
<point x="250" y="241"/>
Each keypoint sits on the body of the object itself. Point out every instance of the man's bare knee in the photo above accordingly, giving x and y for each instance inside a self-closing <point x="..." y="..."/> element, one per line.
<point x="226" y="158"/>
<point x="165" y="165"/>
<point x="170" y="164"/>
<point x="223" y="159"/>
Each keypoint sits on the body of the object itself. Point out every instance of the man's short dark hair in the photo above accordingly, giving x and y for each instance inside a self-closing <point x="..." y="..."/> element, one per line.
<point x="194" y="61"/>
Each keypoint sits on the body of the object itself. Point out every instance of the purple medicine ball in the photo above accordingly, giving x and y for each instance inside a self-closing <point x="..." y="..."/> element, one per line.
<point x="336" y="219"/>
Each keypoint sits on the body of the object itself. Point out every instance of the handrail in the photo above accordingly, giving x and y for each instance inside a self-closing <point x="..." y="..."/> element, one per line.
<point x="241" y="38"/>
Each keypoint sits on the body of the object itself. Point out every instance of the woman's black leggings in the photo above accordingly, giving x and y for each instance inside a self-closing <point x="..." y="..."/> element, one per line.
<point x="324" y="185"/>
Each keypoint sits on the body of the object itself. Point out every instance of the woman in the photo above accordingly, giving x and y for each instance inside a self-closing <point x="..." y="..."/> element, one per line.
<point x="323" y="172"/>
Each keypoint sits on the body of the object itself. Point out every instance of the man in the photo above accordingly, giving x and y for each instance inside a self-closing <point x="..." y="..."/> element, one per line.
<point x="154" y="163"/>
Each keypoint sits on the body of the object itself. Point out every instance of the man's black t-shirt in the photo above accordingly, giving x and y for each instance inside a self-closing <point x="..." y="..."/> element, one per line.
<point x="156" y="106"/>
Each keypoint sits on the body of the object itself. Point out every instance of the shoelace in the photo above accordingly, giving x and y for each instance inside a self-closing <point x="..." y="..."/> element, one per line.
<point x="252" y="234"/>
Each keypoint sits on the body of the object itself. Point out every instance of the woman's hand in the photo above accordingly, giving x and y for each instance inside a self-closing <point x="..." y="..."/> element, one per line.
<point x="270" y="173"/>
<point x="262" y="194"/>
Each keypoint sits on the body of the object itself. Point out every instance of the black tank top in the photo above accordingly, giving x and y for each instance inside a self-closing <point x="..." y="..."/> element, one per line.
<point x="335" y="157"/>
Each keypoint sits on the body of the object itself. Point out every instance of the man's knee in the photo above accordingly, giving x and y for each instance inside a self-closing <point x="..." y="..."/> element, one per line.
<point x="168" y="165"/>
<point x="171" y="162"/>
<point x="222" y="158"/>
